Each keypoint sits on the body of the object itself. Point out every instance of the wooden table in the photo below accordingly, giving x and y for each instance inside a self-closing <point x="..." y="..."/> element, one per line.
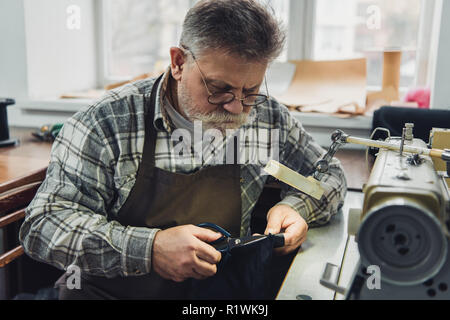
<point x="29" y="156"/>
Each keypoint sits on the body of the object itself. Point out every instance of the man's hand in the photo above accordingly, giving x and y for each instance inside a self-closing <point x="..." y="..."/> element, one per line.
<point x="180" y="253"/>
<point x="283" y="218"/>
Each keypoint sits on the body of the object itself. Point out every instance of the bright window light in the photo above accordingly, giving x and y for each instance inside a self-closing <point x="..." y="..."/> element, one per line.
<point x="346" y="28"/>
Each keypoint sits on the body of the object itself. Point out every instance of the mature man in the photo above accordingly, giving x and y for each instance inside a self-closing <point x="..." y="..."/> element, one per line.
<point x="122" y="205"/>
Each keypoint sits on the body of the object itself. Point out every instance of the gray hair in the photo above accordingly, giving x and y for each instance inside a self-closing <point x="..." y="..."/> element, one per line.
<point x="243" y="28"/>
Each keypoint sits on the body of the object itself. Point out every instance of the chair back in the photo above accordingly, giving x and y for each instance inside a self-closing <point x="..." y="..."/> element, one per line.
<point x="15" y="196"/>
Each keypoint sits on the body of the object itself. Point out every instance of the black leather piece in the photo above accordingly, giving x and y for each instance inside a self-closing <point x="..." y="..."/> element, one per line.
<point x="242" y="274"/>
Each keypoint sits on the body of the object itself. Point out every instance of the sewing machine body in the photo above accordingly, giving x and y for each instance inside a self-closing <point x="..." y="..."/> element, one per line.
<point x="401" y="231"/>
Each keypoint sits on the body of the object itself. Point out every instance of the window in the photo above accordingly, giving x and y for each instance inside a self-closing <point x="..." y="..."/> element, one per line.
<point x="139" y="33"/>
<point x="281" y="10"/>
<point x="345" y="28"/>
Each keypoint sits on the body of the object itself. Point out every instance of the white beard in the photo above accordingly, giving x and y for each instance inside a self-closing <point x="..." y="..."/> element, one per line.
<point x="219" y="119"/>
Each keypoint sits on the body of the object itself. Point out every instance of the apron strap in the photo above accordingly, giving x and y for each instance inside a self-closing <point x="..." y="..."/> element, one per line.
<point x="150" y="130"/>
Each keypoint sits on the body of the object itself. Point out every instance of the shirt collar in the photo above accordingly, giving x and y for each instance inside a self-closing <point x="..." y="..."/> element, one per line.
<point x="161" y="120"/>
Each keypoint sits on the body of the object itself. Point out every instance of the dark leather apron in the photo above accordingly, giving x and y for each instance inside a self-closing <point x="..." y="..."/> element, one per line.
<point x="162" y="199"/>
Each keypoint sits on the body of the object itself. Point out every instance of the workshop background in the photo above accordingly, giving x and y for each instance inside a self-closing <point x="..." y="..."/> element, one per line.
<point x="343" y="61"/>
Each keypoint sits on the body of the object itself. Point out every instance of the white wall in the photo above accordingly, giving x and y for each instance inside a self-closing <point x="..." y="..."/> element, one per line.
<point x="13" y="69"/>
<point x="59" y="59"/>
<point x="440" y="60"/>
<point x="41" y="58"/>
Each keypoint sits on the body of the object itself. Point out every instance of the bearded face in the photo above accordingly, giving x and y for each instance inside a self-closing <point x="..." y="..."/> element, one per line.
<point x="215" y="72"/>
<point x="219" y="118"/>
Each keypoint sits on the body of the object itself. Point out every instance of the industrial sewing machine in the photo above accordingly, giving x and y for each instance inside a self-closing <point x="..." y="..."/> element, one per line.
<point x="402" y="228"/>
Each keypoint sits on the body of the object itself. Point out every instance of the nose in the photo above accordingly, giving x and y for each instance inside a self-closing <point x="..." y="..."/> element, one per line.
<point x="234" y="106"/>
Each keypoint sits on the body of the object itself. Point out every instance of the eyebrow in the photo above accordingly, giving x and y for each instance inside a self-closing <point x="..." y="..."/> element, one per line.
<point x="219" y="83"/>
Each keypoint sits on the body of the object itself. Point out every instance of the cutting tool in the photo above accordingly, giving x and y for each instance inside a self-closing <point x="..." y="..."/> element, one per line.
<point x="227" y="243"/>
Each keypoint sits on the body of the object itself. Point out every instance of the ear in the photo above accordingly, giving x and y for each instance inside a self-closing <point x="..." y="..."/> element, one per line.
<point x="178" y="61"/>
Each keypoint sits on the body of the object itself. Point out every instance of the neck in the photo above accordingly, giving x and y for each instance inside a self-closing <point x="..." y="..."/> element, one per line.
<point x="173" y="94"/>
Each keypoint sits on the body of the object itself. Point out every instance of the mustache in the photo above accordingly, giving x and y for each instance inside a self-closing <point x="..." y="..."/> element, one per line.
<point x="223" y="116"/>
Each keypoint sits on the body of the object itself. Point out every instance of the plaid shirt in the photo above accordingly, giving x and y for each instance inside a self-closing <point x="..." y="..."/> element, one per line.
<point x="93" y="167"/>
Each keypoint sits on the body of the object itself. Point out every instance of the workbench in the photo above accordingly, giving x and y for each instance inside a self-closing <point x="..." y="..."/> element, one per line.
<point x="28" y="156"/>
<point x="330" y="243"/>
<point x="32" y="154"/>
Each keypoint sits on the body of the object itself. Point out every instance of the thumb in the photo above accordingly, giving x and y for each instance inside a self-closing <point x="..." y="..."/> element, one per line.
<point x="206" y="235"/>
<point x="273" y="224"/>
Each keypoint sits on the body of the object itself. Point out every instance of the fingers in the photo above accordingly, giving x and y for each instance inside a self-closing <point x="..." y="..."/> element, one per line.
<point x="274" y="224"/>
<point x="205" y="256"/>
<point x="205" y="235"/>
<point x="294" y="236"/>
<point x="197" y="275"/>
<point x="204" y="251"/>
<point x="181" y="252"/>
<point x="279" y="218"/>
<point x="289" y="248"/>
<point x="192" y="268"/>
<point x="204" y="269"/>
<point x="284" y="219"/>
<point x="207" y="253"/>
<point x="294" y="233"/>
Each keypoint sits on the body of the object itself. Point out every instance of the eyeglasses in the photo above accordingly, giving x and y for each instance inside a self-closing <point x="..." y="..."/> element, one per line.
<point x="221" y="98"/>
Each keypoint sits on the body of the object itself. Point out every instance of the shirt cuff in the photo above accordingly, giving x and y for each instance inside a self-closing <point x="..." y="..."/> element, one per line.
<point x="137" y="244"/>
<point x="298" y="204"/>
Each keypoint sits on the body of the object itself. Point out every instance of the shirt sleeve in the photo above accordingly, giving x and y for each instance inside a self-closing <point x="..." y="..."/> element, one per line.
<point x="300" y="152"/>
<point x="67" y="222"/>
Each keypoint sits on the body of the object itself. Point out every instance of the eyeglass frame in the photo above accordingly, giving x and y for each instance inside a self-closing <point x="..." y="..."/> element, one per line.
<point x="227" y="92"/>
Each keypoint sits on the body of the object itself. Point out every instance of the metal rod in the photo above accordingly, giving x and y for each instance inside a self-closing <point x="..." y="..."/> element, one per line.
<point x="436" y="153"/>
<point x="402" y="144"/>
